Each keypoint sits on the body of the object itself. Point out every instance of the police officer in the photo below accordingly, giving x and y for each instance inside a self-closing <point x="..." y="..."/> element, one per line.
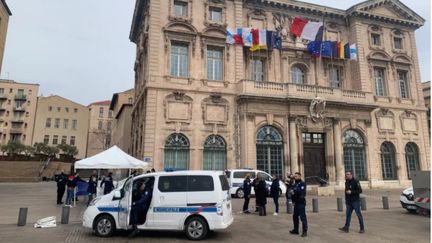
<point x="141" y="200"/>
<point x="92" y="186"/>
<point x="299" y="200"/>
<point x="109" y="184"/>
<point x="61" y="180"/>
<point x="247" y="187"/>
<point x="352" y="201"/>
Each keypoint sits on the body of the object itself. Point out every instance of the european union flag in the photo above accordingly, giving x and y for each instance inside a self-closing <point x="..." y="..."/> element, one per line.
<point x="327" y="49"/>
<point x="314" y="48"/>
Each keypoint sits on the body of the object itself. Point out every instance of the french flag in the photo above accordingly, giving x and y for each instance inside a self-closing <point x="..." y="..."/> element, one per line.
<point x="306" y="29"/>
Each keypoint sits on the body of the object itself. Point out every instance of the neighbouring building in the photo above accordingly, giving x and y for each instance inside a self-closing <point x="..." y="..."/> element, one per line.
<point x="61" y="121"/>
<point x="121" y="133"/>
<point x="17" y="111"/>
<point x="203" y="104"/>
<point x="100" y="124"/>
<point x="4" y="22"/>
<point x="426" y="95"/>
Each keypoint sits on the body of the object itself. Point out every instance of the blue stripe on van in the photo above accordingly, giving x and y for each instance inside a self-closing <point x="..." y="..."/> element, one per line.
<point x="185" y="209"/>
<point x="111" y="209"/>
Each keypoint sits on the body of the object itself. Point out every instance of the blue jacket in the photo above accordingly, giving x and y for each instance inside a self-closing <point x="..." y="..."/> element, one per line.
<point x="92" y="184"/>
<point x="108" y="181"/>
<point x="247" y="187"/>
<point x="274" y="188"/>
<point x="299" y="190"/>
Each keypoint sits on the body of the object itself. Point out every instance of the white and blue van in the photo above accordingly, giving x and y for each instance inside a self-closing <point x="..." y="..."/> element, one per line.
<point x="191" y="201"/>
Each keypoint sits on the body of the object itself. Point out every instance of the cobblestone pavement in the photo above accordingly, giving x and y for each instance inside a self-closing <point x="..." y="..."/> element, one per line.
<point x="394" y="225"/>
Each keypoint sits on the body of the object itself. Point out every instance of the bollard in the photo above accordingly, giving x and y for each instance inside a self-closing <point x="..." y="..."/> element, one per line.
<point x="363" y="203"/>
<point x="385" y="202"/>
<point x="289" y="207"/>
<point x="315" y="205"/>
<point x="65" y="215"/>
<point x="339" y="204"/>
<point x="22" y="216"/>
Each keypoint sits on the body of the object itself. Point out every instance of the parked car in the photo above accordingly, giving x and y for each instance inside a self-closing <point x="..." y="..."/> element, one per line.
<point x="191" y="201"/>
<point x="407" y="200"/>
<point x="237" y="176"/>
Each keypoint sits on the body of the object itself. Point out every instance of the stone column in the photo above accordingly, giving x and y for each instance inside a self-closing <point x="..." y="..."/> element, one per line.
<point x="293" y="145"/>
<point x="338" y="152"/>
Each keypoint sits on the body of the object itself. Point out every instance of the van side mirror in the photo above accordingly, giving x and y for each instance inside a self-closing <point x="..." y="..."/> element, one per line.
<point x="117" y="195"/>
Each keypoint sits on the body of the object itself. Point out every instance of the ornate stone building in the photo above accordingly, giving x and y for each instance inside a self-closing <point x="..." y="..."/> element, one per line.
<point x="203" y="104"/>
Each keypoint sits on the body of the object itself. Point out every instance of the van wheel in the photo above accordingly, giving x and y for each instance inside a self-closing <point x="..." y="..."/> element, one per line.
<point x="104" y="226"/>
<point x="196" y="228"/>
<point x="240" y="193"/>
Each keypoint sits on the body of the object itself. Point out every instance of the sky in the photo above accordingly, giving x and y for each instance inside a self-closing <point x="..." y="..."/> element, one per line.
<point x="81" y="50"/>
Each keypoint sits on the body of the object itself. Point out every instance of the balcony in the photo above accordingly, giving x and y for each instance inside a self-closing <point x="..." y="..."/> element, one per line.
<point x="3" y="97"/>
<point x="20" y="97"/>
<point x="303" y="92"/>
<point x="17" y="120"/>
<point x="16" y="131"/>
<point x="19" y="109"/>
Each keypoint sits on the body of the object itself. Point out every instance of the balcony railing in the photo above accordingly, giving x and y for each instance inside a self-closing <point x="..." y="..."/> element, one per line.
<point x="16" y="131"/>
<point x="19" y="109"/>
<point x="302" y="91"/>
<point x="3" y="97"/>
<point x="17" y="120"/>
<point x="20" y="97"/>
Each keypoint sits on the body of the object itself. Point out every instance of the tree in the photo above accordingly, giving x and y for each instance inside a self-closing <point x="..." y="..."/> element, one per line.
<point x="68" y="149"/>
<point x="29" y="150"/>
<point x="13" y="148"/>
<point x="40" y="147"/>
<point x="51" y="151"/>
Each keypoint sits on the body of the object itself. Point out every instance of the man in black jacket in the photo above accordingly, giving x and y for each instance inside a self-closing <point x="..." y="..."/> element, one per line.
<point x="61" y="180"/>
<point x="109" y="183"/>
<point x="92" y="186"/>
<point x="352" y="201"/>
<point x="247" y="187"/>
<point x="274" y="193"/>
<point x="299" y="200"/>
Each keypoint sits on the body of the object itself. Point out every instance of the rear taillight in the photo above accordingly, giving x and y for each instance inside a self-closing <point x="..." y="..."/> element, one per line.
<point x="219" y="210"/>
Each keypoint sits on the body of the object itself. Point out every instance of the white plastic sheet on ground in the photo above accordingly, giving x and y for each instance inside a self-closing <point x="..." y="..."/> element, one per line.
<point x="48" y="222"/>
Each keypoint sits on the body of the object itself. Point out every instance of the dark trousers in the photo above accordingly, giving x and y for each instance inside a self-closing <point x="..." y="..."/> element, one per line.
<point x="262" y="210"/>
<point x="90" y="197"/>
<point x="300" y="212"/>
<point x="246" y="203"/>
<point x="350" y="206"/>
<point x="276" y="202"/>
<point x="60" y="193"/>
<point x="107" y="190"/>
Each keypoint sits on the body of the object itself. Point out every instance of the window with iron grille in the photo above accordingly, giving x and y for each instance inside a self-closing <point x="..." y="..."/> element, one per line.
<point x="388" y="161"/>
<point x="269" y="151"/>
<point x="176" y="152"/>
<point x="354" y="154"/>
<point x="214" y="153"/>
<point x="412" y="158"/>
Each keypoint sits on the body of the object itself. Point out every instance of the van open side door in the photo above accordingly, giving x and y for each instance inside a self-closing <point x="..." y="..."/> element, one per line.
<point x="125" y="204"/>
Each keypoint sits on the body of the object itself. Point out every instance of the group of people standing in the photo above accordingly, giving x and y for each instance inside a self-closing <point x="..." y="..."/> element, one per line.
<point x="296" y="194"/>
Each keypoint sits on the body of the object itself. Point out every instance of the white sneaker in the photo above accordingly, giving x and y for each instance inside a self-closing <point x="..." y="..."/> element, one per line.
<point x="275" y="214"/>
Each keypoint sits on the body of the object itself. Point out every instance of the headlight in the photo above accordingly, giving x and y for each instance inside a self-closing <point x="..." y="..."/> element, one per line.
<point x="410" y="197"/>
<point x="94" y="201"/>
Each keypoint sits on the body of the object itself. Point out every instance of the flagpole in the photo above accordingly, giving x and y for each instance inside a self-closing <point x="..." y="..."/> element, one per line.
<point x="320" y="57"/>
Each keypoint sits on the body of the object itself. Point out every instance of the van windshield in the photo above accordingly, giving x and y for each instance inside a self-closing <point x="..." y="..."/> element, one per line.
<point x="224" y="183"/>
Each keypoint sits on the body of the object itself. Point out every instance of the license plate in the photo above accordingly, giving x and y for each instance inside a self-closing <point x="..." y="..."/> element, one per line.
<point x="411" y="207"/>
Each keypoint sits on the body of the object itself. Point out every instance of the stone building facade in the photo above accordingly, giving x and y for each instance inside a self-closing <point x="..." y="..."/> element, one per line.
<point x="203" y="104"/>
<point x="5" y="13"/>
<point x="59" y="120"/>
<point x="121" y="133"/>
<point x="100" y="125"/>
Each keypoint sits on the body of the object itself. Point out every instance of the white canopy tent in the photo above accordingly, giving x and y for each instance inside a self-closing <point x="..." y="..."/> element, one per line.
<point x="112" y="158"/>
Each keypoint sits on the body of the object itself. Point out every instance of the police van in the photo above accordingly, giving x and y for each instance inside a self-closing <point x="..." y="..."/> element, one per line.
<point x="237" y="176"/>
<point x="191" y="201"/>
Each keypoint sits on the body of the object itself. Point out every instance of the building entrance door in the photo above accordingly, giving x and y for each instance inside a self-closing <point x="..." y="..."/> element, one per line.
<point x="314" y="157"/>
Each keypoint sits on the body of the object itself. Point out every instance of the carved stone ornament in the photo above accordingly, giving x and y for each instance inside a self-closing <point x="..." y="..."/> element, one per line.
<point x="317" y="109"/>
<point x="178" y="95"/>
<point x="216" y="98"/>
<point x="282" y="24"/>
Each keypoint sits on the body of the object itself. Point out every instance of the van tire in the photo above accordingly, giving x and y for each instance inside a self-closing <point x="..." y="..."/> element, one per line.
<point x="239" y="193"/>
<point x="104" y="226"/>
<point x="196" y="228"/>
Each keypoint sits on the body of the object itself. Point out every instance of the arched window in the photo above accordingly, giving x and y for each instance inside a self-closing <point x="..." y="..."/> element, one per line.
<point x="388" y="161"/>
<point x="176" y="153"/>
<point x="354" y="154"/>
<point x="297" y="75"/>
<point x="269" y="151"/>
<point x="215" y="153"/>
<point x="412" y="158"/>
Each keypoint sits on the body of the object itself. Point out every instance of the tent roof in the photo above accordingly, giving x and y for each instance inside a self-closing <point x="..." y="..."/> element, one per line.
<point x="112" y="158"/>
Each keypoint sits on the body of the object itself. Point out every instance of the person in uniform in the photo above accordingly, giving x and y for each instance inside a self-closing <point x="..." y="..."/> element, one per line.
<point x="247" y="187"/>
<point x="352" y="201"/>
<point x="61" y="180"/>
<point x="108" y="182"/>
<point x="299" y="200"/>
<point x="92" y="186"/>
<point x="274" y="193"/>
<point x="141" y="201"/>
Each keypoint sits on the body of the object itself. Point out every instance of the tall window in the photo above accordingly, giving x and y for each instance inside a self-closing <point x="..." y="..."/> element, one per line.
<point x="176" y="152"/>
<point x="269" y="151"/>
<point x="403" y="85"/>
<point x="215" y="153"/>
<point x="376" y="39"/>
<point x="64" y="138"/>
<point x="130" y="100"/>
<point x="18" y="104"/>
<point x="74" y="124"/>
<point x="101" y="111"/>
<point x="179" y="60"/>
<point x="46" y="139"/>
<point x="335" y="76"/>
<point x="20" y="92"/>
<point x="388" y="164"/>
<point x="257" y="69"/>
<point x="55" y="139"/>
<point x="180" y="9"/>
<point x="110" y="114"/>
<point x="48" y="123"/>
<point x="215" y="14"/>
<point x="354" y="154"/>
<point x="397" y="43"/>
<point x="57" y="123"/>
<point x="72" y="140"/>
<point x="214" y="64"/>
<point x="297" y="75"/>
<point x="100" y="125"/>
<point x="65" y="123"/>
<point x="412" y="158"/>
<point x="379" y="81"/>
<point x="109" y="125"/>
<point x="1" y="90"/>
